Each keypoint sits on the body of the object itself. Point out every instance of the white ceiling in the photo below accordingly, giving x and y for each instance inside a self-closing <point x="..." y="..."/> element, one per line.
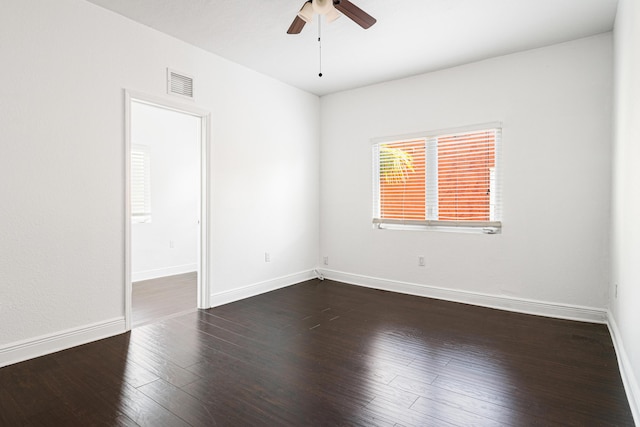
<point x="410" y="37"/>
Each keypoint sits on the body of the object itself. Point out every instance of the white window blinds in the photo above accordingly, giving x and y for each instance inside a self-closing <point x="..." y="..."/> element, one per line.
<point x="140" y="184"/>
<point x="449" y="179"/>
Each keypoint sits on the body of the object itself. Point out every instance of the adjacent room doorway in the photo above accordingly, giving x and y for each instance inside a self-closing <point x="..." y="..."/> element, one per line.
<point x="166" y="150"/>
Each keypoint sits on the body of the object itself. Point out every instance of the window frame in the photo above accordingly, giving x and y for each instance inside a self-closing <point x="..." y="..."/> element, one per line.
<point x="493" y="226"/>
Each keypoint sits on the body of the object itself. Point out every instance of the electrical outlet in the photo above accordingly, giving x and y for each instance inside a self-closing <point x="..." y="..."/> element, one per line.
<point x="616" y="290"/>
<point x="171" y="245"/>
<point x="421" y="261"/>
<point x="325" y="260"/>
<point x="267" y="257"/>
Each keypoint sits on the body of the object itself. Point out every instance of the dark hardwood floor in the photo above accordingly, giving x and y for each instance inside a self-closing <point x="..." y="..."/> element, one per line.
<point x="329" y="354"/>
<point x="156" y="299"/>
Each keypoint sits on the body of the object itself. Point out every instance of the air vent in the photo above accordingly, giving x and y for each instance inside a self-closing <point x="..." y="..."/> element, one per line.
<point x="179" y="84"/>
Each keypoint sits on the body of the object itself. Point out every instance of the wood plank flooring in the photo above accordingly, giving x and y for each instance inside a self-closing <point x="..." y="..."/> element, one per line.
<point x="155" y="299"/>
<point x="328" y="354"/>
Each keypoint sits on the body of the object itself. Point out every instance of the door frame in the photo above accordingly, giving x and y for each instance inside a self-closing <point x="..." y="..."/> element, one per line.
<point x="203" y="240"/>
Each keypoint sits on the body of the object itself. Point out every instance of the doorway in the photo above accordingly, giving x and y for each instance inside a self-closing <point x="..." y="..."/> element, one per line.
<point x="166" y="209"/>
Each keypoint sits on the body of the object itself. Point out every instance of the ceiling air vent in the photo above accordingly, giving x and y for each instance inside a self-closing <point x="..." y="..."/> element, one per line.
<point x="179" y="84"/>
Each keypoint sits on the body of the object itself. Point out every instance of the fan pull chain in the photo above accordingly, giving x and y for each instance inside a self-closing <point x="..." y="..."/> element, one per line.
<point x="320" y="46"/>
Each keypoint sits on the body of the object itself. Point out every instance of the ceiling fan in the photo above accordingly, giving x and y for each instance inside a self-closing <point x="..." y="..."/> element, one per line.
<point x="331" y="9"/>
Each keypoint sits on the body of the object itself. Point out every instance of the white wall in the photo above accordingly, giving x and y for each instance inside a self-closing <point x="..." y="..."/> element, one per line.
<point x="555" y="106"/>
<point x="168" y="243"/>
<point x="65" y="65"/>
<point x="625" y="306"/>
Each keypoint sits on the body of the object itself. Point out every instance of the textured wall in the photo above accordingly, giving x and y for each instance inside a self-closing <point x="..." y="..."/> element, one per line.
<point x="62" y="163"/>
<point x="625" y="280"/>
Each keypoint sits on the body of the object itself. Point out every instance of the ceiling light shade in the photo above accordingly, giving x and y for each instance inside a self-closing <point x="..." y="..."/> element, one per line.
<point x="322" y="7"/>
<point x="307" y="12"/>
<point x="332" y="15"/>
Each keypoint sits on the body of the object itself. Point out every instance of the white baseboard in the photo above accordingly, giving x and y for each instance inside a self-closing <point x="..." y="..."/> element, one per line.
<point x="237" y="294"/>
<point x="519" y="305"/>
<point x="136" y="276"/>
<point x="631" y="385"/>
<point x="51" y="343"/>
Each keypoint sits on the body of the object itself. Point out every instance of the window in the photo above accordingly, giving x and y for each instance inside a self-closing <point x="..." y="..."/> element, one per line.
<point x="140" y="184"/>
<point x="442" y="180"/>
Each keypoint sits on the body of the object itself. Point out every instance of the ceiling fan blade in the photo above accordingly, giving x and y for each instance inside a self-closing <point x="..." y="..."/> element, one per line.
<point x="296" y="26"/>
<point x="353" y="12"/>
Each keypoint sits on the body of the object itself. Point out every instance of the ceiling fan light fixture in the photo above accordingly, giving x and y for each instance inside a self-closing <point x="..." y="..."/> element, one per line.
<point x="307" y="12"/>
<point x="322" y="7"/>
<point x="332" y="15"/>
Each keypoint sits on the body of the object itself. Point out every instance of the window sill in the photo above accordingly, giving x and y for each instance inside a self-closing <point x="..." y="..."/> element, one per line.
<point x="493" y="227"/>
